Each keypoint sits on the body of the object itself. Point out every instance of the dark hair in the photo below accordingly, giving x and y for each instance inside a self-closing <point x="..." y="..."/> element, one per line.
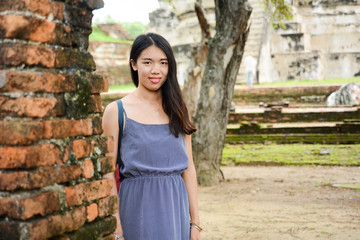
<point x="172" y="99"/>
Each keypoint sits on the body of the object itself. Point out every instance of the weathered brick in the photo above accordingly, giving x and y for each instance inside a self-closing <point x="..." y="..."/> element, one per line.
<point x="40" y="7"/>
<point x="10" y="230"/>
<point x="66" y="154"/>
<point x="21" y="133"/>
<point x="78" y="17"/>
<point x="29" y="157"/>
<point x="27" y="81"/>
<point x="88" y="169"/>
<point x="98" y="229"/>
<point x="95" y="104"/>
<point x="71" y="58"/>
<point x="89" y="191"/>
<point x="15" y="54"/>
<point x="57" y="224"/>
<point x="97" y="125"/>
<point x="67" y="128"/>
<point x="107" y="164"/>
<point x="38" y="178"/>
<point x="27" y="28"/>
<point x="24" y="208"/>
<point x="98" y="83"/>
<point x="108" y="206"/>
<point x="82" y="148"/>
<point x="28" y="107"/>
<point x="92" y="212"/>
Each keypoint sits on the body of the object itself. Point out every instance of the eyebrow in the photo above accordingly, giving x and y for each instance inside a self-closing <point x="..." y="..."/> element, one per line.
<point x="162" y="59"/>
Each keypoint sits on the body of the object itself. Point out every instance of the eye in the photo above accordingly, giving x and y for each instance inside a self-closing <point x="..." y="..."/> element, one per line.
<point x="147" y="62"/>
<point x="164" y="63"/>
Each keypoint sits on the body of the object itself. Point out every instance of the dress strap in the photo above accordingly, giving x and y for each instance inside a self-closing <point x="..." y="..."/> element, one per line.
<point x="121" y="117"/>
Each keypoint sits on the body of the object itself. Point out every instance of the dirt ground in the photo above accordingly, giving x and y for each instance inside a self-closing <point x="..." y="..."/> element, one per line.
<point x="287" y="202"/>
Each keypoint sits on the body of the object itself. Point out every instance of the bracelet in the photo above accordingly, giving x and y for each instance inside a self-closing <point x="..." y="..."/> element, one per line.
<point x="118" y="236"/>
<point x="192" y="224"/>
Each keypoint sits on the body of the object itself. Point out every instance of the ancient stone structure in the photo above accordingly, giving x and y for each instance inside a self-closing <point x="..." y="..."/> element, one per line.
<point x="52" y="155"/>
<point x="348" y="95"/>
<point x="322" y="40"/>
<point x="112" y="60"/>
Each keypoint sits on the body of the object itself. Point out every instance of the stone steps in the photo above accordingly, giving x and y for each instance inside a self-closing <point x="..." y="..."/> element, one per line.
<point x="255" y="35"/>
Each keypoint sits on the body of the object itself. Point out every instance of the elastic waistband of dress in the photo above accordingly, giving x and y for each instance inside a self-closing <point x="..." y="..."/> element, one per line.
<point x="172" y="175"/>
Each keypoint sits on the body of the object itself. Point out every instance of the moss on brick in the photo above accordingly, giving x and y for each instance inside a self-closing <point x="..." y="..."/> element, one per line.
<point x="77" y="102"/>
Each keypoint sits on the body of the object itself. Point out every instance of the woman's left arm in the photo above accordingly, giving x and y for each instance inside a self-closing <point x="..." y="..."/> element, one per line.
<point x="190" y="180"/>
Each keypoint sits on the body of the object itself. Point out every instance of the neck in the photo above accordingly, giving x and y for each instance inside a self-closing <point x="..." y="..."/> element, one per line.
<point x="148" y="96"/>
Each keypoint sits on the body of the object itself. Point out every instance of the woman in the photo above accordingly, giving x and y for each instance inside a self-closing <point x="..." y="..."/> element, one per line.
<point x="158" y="192"/>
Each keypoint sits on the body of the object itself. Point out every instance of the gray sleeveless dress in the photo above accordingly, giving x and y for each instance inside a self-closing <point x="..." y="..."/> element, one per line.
<point x="153" y="200"/>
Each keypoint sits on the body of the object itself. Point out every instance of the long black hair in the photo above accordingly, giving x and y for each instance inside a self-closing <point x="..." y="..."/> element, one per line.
<point x="172" y="99"/>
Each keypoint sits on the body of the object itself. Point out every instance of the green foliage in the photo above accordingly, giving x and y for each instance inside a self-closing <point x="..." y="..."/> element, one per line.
<point x="279" y="11"/>
<point x="134" y="28"/>
<point x="291" y="154"/>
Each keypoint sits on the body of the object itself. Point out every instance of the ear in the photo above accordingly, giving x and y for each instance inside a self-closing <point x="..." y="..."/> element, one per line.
<point x="133" y="65"/>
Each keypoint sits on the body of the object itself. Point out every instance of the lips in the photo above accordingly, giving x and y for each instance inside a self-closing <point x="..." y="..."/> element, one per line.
<point x="155" y="79"/>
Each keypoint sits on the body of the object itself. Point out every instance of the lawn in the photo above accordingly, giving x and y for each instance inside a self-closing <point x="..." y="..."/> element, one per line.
<point x="291" y="154"/>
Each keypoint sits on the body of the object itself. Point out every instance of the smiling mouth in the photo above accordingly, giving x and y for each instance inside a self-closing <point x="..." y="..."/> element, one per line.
<point x="155" y="80"/>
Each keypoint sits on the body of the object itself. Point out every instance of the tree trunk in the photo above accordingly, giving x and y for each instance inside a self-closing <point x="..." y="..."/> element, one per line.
<point x="225" y="53"/>
<point x="199" y="53"/>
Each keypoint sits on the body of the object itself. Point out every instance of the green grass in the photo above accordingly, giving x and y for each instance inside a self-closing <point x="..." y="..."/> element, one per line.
<point x="291" y="154"/>
<point x="125" y="87"/>
<point x="290" y="83"/>
<point x="98" y="35"/>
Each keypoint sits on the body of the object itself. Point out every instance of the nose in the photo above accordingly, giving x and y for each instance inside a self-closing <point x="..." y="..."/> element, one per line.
<point x="155" y="69"/>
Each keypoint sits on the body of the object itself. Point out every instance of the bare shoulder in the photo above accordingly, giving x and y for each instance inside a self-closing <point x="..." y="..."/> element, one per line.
<point x="109" y="120"/>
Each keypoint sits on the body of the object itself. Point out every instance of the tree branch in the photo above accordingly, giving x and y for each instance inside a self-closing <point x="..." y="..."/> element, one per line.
<point x="204" y="25"/>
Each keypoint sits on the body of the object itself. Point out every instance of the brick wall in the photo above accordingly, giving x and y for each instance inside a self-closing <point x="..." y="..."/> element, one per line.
<point x="52" y="154"/>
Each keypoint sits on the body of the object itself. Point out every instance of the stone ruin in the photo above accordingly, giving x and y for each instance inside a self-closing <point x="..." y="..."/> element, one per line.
<point x="321" y="42"/>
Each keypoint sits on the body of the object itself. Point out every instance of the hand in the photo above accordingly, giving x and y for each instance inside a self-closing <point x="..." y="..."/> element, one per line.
<point x="195" y="234"/>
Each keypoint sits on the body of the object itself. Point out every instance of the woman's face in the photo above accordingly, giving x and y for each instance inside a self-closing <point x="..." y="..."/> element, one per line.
<point x="152" y="67"/>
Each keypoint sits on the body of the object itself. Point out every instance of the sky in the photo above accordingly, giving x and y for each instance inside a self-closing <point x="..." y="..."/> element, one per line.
<point x="126" y="10"/>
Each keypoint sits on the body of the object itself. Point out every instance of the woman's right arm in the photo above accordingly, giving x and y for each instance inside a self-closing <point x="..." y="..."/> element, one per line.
<point x="111" y="129"/>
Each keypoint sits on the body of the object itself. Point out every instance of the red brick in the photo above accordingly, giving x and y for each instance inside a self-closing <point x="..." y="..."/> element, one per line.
<point x="78" y="17"/>
<point x="89" y="191"/>
<point x="98" y="83"/>
<point x="28" y="107"/>
<point x="66" y="154"/>
<point x="95" y="104"/>
<point x="38" y="178"/>
<point x="26" y="81"/>
<point x="27" y="28"/>
<point x="16" y="54"/>
<point x="97" y="125"/>
<point x="10" y="229"/>
<point x="82" y="148"/>
<point x="29" y="157"/>
<point x="92" y="212"/>
<point x="88" y="169"/>
<point x="108" y="206"/>
<point x="67" y="128"/>
<point x="24" y="208"/>
<point x="107" y="164"/>
<point x="40" y="7"/>
<point x="21" y="133"/>
<point x="72" y="58"/>
<point x="57" y="224"/>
